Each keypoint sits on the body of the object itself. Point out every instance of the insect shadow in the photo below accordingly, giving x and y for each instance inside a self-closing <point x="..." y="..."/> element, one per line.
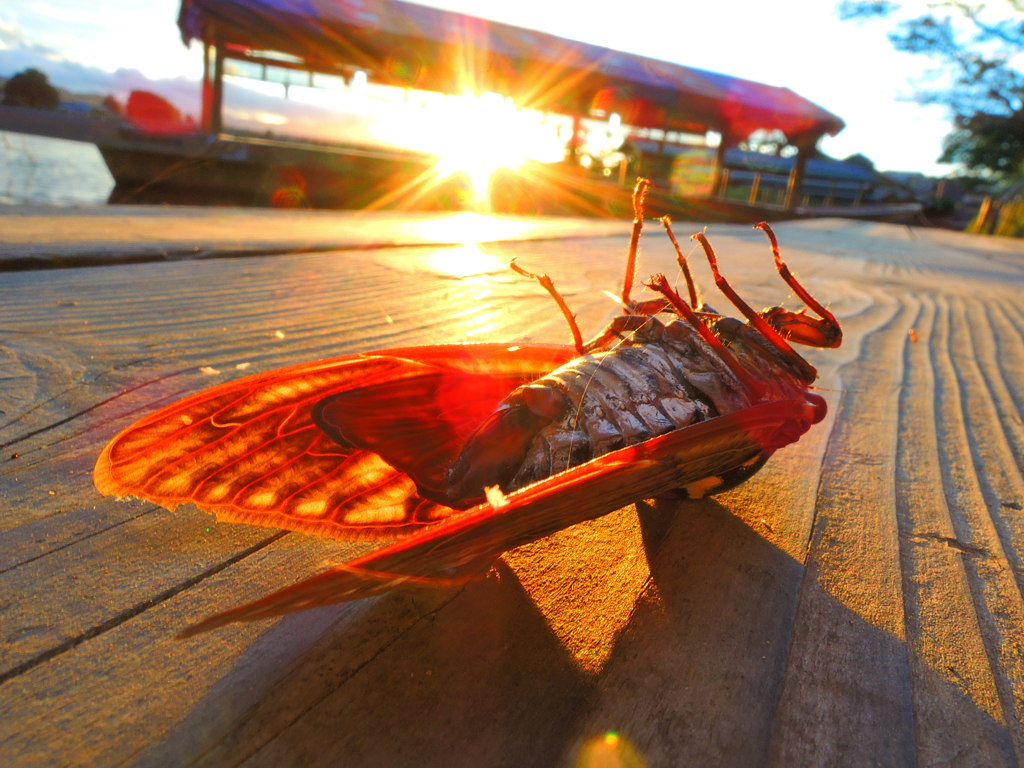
<point x="731" y="656"/>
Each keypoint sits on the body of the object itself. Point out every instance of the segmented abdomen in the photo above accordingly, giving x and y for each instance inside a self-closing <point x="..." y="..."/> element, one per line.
<point x="663" y="379"/>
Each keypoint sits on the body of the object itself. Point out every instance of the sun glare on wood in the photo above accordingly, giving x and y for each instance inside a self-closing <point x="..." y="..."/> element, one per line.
<point x="470" y="227"/>
<point x="466" y="260"/>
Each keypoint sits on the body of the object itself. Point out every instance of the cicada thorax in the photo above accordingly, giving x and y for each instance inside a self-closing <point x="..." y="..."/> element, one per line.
<point x="661" y="377"/>
<point x="775" y="372"/>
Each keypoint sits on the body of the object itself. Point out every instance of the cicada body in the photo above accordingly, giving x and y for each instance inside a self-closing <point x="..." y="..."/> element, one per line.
<point x="502" y="445"/>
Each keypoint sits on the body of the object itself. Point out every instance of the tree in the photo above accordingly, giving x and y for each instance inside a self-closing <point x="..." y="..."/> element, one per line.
<point x="981" y="81"/>
<point x="31" y="88"/>
<point x="995" y="142"/>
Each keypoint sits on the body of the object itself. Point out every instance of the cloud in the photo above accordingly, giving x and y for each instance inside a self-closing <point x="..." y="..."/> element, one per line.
<point x="12" y="35"/>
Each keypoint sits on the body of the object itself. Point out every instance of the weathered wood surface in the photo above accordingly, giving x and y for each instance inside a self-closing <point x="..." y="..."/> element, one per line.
<point x="858" y="602"/>
<point x="39" y="237"/>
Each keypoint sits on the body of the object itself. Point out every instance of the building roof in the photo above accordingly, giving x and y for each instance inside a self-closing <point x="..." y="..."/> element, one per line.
<point x="400" y="43"/>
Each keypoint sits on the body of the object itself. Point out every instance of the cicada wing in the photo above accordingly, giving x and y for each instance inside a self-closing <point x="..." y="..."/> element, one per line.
<point x="694" y="457"/>
<point x="417" y="424"/>
<point x="250" y="450"/>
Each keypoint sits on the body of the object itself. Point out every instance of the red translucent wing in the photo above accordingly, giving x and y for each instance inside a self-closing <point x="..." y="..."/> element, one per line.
<point x="418" y="423"/>
<point x="693" y="455"/>
<point x="250" y="451"/>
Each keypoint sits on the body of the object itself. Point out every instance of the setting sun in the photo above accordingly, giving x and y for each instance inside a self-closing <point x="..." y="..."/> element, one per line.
<point x="475" y="135"/>
<point x="480" y="135"/>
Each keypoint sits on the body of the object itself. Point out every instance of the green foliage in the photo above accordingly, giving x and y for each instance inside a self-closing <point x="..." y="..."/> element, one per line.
<point x="985" y="141"/>
<point x="31" y="88"/>
<point x="978" y="48"/>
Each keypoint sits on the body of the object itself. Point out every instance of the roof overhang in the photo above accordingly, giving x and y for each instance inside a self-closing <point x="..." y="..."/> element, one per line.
<point x="404" y="44"/>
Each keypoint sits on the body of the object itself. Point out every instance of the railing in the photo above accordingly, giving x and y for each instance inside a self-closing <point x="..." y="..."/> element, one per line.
<point x="768" y="189"/>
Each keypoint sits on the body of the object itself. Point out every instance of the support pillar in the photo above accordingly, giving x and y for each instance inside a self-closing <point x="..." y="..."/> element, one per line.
<point x="213" y="88"/>
<point x="720" y="178"/>
<point x="796" y="177"/>
<point x="217" y="123"/>
<point x="572" y="147"/>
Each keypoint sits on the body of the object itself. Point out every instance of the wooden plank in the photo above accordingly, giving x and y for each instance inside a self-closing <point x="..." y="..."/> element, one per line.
<point x="847" y="687"/>
<point x="846" y="694"/>
<point x="857" y="601"/>
<point x="948" y="652"/>
<point x="130" y="566"/>
<point x="36" y="237"/>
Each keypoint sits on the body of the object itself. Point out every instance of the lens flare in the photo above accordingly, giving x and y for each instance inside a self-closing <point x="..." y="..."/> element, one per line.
<point x="608" y="750"/>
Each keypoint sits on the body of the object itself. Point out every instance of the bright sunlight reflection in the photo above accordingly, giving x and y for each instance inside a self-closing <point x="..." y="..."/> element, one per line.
<point x="469" y="227"/>
<point x="465" y="261"/>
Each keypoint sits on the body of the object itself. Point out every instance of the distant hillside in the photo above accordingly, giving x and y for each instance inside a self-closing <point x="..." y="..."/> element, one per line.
<point x="94" y="99"/>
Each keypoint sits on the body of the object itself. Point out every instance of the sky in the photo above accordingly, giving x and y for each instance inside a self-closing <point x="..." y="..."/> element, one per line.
<point x="848" y="68"/>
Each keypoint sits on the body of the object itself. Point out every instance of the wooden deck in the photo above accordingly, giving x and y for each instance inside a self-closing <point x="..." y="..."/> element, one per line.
<point x="857" y="603"/>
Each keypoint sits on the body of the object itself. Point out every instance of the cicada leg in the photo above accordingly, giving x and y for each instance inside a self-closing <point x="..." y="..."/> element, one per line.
<point x="616" y="330"/>
<point x="806" y="370"/>
<point x="639" y="193"/>
<point x="660" y="284"/>
<point x="799" y="326"/>
<point x="549" y="286"/>
<point x="683" y="265"/>
<point x="619" y="328"/>
<point x="638" y="311"/>
<point x="651" y="306"/>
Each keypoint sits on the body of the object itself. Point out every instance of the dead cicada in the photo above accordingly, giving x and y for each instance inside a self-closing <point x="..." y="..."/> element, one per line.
<point x="462" y="452"/>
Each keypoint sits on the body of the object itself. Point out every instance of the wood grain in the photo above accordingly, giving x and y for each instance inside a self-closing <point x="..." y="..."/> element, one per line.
<point x="858" y="602"/>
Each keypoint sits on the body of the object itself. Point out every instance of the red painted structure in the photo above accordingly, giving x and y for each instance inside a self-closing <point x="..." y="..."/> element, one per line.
<point x="408" y="45"/>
